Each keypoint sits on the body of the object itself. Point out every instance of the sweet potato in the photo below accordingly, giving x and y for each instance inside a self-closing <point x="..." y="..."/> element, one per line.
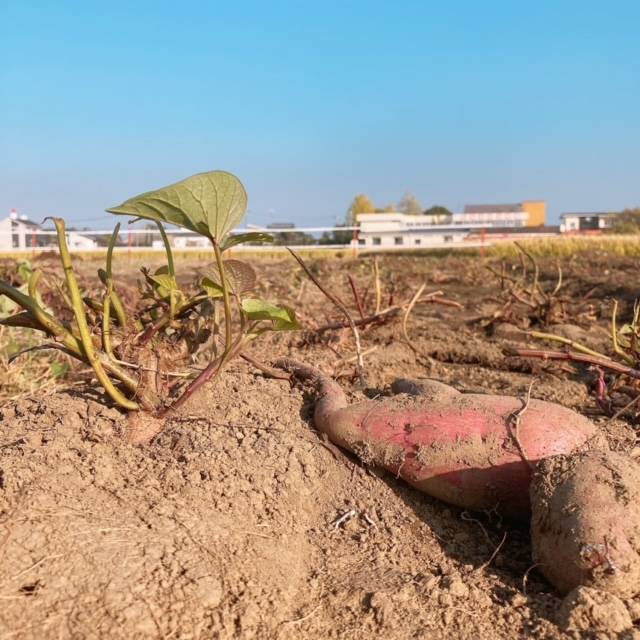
<point x="461" y="448"/>
<point x="585" y="527"/>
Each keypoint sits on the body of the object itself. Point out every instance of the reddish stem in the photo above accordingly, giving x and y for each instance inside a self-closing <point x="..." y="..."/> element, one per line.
<point x="576" y="357"/>
<point x="356" y="295"/>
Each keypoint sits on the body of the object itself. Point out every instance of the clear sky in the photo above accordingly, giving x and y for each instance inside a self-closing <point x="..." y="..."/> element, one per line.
<point x="310" y="103"/>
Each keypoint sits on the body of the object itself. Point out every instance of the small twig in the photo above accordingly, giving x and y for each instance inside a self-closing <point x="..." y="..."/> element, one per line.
<point x="525" y="577"/>
<point x="266" y="369"/>
<point x="617" y="414"/>
<point x="601" y="392"/>
<point x="345" y="311"/>
<point x="536" y="271"/>
<point x="303" y="618"/>
<point x="484" y="565"/>
<point x="614" y="336"/>
<point x="366" y="352"/>
<point x="552" y="337"/>
<point x="356" y="295"/>
<point x="443" y="301"/>
<point x="405" y="318"/>
<point x="345" y="517"/>
<point x="368" y="520"/>
<point x="501" y="274"/>
<point x="377" y="317"/>
<point x="559" y="284"/>
<point x="376" y="271"/>
<point x="467" y="517"/>
<point x="575" y="357"/>
<point x="519" y="298"/>
<point x="516" y="417"/>
<point x="303" y="286"/>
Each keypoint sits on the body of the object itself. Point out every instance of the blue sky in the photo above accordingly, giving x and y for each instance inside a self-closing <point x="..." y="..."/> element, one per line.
<point x="310" y="103"/>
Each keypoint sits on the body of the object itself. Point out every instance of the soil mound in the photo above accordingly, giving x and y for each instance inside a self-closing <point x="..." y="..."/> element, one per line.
<point x="225" y="527"/>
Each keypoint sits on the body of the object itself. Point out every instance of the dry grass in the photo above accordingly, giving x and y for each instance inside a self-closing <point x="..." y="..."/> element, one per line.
<point x="565" y="247"/>
<point x="31" y="372"/>
<point x="123" y="254"/>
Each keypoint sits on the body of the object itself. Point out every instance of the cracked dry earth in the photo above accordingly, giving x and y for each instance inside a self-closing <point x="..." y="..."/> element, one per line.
<point x="225" y="525"/>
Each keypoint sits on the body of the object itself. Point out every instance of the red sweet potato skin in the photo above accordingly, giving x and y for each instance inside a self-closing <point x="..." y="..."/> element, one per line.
<point x="474" y="451"/>
<point x="464" y="450"/>
<point x="585" y="526"/>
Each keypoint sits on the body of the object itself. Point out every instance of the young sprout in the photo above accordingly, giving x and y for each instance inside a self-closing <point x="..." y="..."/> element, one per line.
<point x="135" y="350"/>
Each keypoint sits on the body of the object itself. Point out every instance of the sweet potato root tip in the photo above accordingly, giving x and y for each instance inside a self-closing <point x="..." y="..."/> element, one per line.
<point x="329" y="394"/>
<point x="585" y="529"/>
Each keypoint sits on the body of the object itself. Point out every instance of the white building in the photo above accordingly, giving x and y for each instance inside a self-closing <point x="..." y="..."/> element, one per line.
<point x="186" y="241"/>
<point x="586" y="222"/>
<point x="78" y="241"/>
<point x="17" y="232"/>
<point x="401" y="230"/>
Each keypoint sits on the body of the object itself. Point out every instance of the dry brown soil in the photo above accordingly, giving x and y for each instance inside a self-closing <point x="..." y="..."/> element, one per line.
<point x="224" y="526"/>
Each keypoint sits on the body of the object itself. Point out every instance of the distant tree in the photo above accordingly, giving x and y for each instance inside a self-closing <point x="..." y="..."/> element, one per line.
<point x="436" y="210"/>
<point x="336" y="237"/>
<point x="409" y="204"/>
<point x="627" y="221"/>
<point x="362" y="203"/>
<point x="293" y="238"/>
<point x="390" y="208"/>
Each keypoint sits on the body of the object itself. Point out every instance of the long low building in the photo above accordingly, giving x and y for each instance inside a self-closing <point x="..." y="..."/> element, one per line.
<point x="403" y="230"/>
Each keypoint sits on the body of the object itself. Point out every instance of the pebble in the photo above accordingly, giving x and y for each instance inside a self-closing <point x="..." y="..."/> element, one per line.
<point x="455" y="586"/>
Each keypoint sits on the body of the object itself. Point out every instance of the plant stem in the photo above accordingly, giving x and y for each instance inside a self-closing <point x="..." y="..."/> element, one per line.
<point x="345" y="311"/>
<point x="576" y="357"/>
<point x="376" y="271"/>
<point x="207" y="374"/>
<point x="170" y="267"/>
<point x="106" y="321"/>
<point x="571" y="343"/>
<point x="228" y="336"/>
<point x="383" y="315"/>
<point x="405" y="318"/>
<point x="162" y="322"/>
<point x="356" y="295"/>
<point x="614" y="336"/>
<point x="83" y="326"/>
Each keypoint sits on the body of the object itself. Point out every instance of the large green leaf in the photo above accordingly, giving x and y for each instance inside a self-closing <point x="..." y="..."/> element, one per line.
<point x="210" y="204"/>
<point x="284" y="318"/>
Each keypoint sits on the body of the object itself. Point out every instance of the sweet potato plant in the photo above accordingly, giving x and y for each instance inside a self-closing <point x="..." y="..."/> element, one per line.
<point x="145" y="354"/>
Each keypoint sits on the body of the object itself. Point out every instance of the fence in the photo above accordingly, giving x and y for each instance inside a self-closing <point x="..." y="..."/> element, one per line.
<point x="149" y="240"/>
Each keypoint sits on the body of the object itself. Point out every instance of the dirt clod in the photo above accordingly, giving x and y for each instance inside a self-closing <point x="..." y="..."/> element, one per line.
<point x="585" y="612"/>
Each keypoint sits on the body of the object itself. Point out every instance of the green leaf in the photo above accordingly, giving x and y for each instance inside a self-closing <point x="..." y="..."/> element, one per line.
<point x="243" y="238"/>
<point x="22" y="319"/>
<point x="284" y="318"/>
<point x="210" y="204"/>
<point x="211" y="288"/>
<point x="241" y="276"/>
<point x="165" y="281"/>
